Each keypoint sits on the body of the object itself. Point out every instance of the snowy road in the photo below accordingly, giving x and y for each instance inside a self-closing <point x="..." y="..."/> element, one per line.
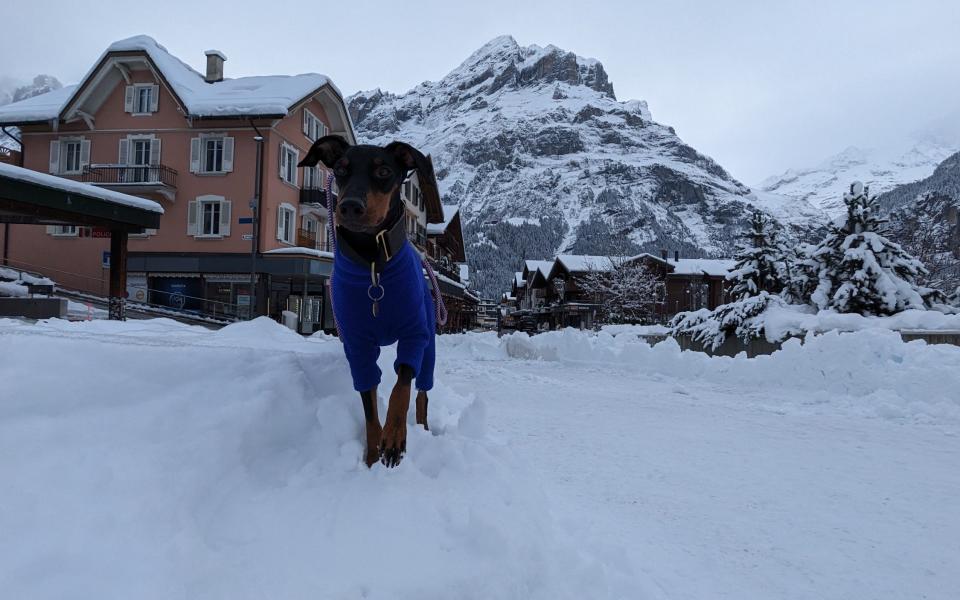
<point x="156" y="460"/>
<point x="724" y="494"/>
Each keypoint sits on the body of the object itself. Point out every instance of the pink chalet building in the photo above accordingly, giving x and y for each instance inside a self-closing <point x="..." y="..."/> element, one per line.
<point x="210" y="150"/>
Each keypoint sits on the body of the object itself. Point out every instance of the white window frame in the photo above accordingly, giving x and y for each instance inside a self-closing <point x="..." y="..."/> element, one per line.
<point x="289" y="157"/>
<point x="290" y="213"/>
<point x="138" y="89"/>
<point x="314" y="127"/>
<point x="64" y="230"/>
<point x="205" y="142"/>
<point x="202" y="204"/>
<point x="65" y="145"/>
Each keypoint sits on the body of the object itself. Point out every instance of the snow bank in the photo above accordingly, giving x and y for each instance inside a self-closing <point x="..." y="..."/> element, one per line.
<point x="153" y="459"/>
<point x="871" y="372"/>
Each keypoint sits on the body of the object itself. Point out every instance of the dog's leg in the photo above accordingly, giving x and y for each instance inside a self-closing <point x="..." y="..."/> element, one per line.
<point x="393" y="442"/>
<point x="422" y="401"/>
<point x="374" y="430"/>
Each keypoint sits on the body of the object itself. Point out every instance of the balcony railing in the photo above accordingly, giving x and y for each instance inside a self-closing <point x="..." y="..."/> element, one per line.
<point x="308" y="239"/>
<point x="130" y="175"/>
<point x="313" y="195"/>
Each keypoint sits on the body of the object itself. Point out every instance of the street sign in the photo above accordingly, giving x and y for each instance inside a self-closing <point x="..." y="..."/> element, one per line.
<point x="247" y="237"/>
<point x="246" y="220"/>
<point x="105" y="259"/>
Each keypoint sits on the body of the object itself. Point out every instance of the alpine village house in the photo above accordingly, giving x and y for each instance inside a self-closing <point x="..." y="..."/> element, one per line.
<point x="212" y="151"/>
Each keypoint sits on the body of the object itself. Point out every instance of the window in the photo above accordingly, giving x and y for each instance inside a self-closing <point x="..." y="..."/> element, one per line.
<point x="313" y="127"/>
<point x="314" y="178"/>
<point x="209" y="217"/>
<point x="141" y="98"/>
<point x="285" y="223"/>
<point x="211" y="154"/>
<point x="63" y="230"/>
<point x="289" y="157"/>
<point x="69" y="156"/>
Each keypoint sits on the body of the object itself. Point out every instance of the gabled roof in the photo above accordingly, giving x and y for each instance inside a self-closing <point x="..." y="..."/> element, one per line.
<point x="272" y="95"/>
<point x="716" y="267"/>
<point x="531" y="267"/>
<point x="449" y="212"/>
<point x="578" y="263"/>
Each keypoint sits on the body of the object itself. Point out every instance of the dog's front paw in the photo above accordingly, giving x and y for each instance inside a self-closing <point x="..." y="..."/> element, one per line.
<point x="393" y="444"/>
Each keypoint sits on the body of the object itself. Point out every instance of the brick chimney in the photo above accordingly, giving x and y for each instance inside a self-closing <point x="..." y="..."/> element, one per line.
<point x="676" y="256"/>
<point x="215" y="60"/>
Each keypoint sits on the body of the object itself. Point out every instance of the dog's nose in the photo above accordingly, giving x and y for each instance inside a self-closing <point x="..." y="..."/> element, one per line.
<point x="352" y="208"/>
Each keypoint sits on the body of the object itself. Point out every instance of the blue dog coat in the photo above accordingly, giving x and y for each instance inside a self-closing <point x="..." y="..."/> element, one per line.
<point x="406" y="316"/>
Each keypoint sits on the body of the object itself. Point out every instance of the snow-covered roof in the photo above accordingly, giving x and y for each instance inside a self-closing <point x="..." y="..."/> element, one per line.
<point x="543" y="266"/>
<point x="258" y="95"/>
<point x="298" y="250"/>
<point x="577" y="263"/>
<point x="697" y="266"/>
<point x="76" y="187"/>
<point x="449" y="212"/>
<point x="518" y="279"/>
<point x="38" y="108"/>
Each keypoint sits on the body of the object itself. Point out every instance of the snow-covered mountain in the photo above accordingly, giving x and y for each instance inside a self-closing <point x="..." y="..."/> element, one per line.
<point x="823" y="185"/>
<point x="542" y="158"/>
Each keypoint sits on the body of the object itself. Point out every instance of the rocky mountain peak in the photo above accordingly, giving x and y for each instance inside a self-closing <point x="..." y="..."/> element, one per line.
<point x="533" y="146"/>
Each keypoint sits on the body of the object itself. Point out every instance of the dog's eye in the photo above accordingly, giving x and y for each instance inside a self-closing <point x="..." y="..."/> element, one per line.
<point x="340" y="171"/>
<point x="383" y="173"/>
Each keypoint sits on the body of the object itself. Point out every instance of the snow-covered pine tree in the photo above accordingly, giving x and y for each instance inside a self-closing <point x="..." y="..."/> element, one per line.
<point x="799" y="273"/>
<point x="861" y="271"/>
<point x="759" y="262"/>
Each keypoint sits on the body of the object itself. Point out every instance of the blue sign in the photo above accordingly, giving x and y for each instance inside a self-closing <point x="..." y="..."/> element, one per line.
<point x="105" y="259"/>
<point x="246" y="220"/>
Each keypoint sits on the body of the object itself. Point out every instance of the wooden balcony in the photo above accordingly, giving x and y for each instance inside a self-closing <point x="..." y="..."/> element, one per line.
<point x="308" y="239"/>
<point x="133" y="178"/>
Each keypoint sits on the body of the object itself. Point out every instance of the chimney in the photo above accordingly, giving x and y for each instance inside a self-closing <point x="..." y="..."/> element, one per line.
<point x="676" y="256"/>
<point x="663" y="254"/>
<point x="215" y="60"/>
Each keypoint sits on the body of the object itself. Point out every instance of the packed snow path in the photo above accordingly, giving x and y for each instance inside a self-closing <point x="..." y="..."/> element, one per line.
<point x="157" y="460"/>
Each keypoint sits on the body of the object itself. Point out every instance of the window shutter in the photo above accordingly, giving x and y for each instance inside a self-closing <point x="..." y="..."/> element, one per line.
<point x="280" y="223"/>
<point x="225" y="218"/>
<point x="124" y="151"/>
<point x="306" y="123"/>
<point x="192" y="218"/>
<point x="154" y="97"/>
<point x="150" y="231"/>
<point x="51" y="229"/>
<point x="227" y="154"/>
<point x="283" y="159"/>
<point x="84" y="153"/>
<point x="128" y="99"/>
<point x="155" y="151"/>
<point x="296" y="171"/>
<point x="195" y="155"/>
<point x="55" y="157"/>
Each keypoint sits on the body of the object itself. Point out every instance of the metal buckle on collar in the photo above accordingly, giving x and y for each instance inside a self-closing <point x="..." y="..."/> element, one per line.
<point x="385" y="241"/>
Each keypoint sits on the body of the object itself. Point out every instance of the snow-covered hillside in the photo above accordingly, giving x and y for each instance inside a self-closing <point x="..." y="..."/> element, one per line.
<point x="542" y="158"/>
<point x="151" y="459"/>
<point x="823" y="185"/>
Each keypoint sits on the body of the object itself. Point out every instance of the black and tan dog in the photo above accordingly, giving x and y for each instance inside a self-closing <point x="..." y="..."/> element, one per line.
<point x="379" y="293"/>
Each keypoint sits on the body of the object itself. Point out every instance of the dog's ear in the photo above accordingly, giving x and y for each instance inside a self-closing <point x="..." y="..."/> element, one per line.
<point x="411" y="158"/>
<point x="327" y="150"/>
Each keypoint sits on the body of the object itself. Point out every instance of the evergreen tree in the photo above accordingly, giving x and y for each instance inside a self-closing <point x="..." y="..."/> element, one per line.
<point x="759" y="263"/>
<point x="861" y="271"/>
<point x="799" y="274"/>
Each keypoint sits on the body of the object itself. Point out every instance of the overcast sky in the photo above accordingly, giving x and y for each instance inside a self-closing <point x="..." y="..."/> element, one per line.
<point x="758" y="85"/>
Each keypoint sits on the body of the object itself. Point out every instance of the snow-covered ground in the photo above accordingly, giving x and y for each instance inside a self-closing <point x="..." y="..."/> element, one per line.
<point x="151" y="459"/>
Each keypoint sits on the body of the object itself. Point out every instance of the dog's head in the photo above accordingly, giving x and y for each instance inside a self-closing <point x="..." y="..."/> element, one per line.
<point x="368" y="178"/>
